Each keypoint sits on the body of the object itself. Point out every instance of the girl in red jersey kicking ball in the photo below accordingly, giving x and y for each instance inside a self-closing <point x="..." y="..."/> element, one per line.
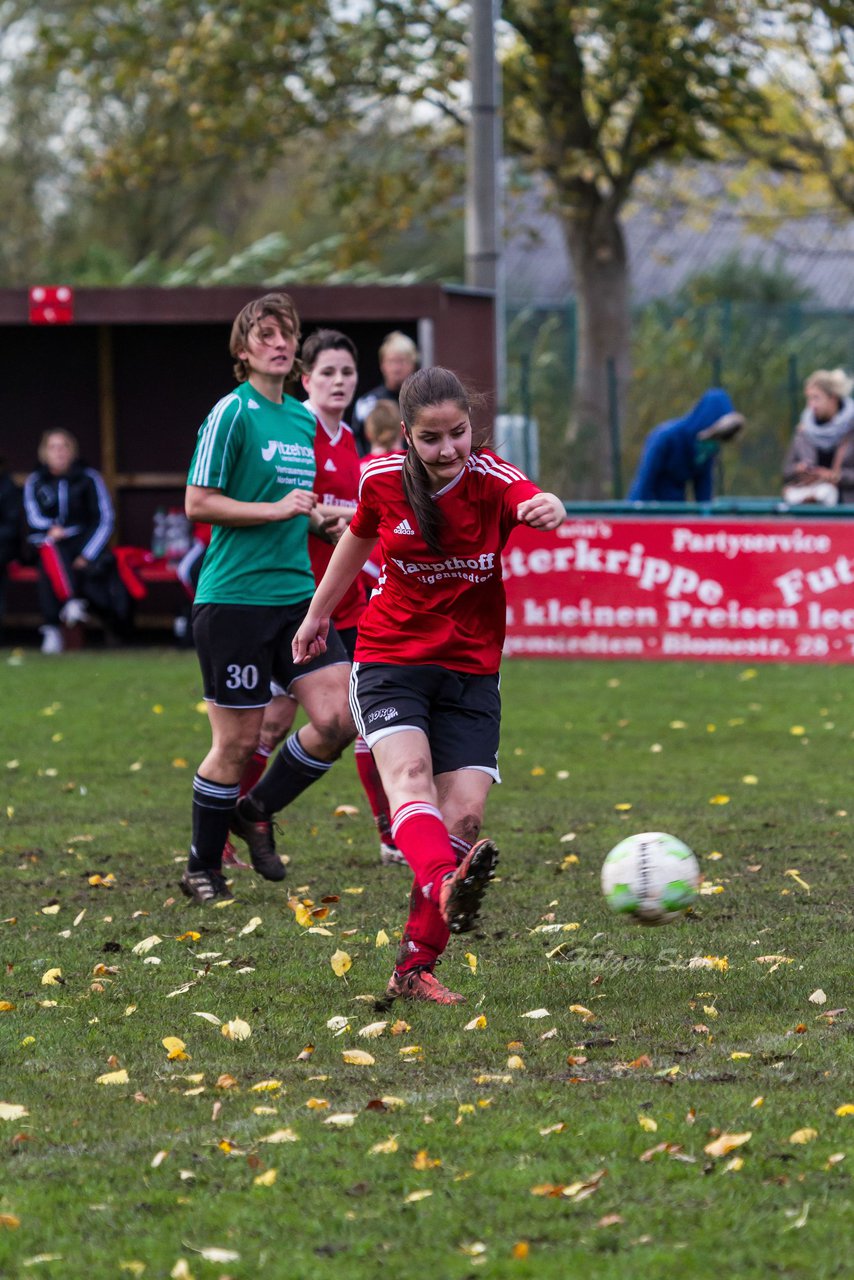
<point x="424" y="685"/>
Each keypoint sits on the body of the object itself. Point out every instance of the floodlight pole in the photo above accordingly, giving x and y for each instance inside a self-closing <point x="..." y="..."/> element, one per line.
<point x="484" y="256"/>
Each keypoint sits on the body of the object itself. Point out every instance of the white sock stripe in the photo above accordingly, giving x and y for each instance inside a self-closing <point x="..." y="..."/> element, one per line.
<point x="295" y="749"/>
<point x="415" y="808"/>
<point x="214" y="790"/>
<point x="361" y="747"/>
<point x="461" y="846"/>
<point x="261" y="750"/>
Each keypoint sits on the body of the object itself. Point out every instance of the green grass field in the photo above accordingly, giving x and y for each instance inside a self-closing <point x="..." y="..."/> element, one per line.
<point x="574" y="1143"/>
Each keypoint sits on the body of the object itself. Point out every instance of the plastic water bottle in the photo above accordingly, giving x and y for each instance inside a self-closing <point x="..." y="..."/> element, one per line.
<point x="158" y="535"/>
<point x="177" y="534"/>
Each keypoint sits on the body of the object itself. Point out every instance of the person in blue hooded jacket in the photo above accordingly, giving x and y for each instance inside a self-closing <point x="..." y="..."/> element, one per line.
<point x="682" y="451"/>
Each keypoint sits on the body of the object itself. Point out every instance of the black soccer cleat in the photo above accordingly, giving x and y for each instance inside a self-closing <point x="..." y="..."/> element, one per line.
<point x="461" y="892"/>
<point x="258" y="834"/>
<point x="205" y="886"/>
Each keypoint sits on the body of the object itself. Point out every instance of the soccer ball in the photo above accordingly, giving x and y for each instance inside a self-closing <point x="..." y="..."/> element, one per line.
<point x="651" y="877"/>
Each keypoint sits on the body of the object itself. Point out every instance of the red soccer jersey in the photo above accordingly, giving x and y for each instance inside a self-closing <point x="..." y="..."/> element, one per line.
<point x="448" y="609"/>
<point x="336" y="485"/>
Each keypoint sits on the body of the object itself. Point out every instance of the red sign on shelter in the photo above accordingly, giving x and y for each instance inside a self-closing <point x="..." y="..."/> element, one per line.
<point x="51" y="304"/>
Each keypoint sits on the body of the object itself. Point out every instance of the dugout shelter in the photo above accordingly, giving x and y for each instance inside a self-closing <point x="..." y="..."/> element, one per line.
<point x="132" y="372"/>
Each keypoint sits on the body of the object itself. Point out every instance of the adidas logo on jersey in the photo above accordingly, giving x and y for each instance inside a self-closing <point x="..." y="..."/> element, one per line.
<point x="329" y="465"/>
<point x="405" y="527"/>
<point x="253" y="404"/>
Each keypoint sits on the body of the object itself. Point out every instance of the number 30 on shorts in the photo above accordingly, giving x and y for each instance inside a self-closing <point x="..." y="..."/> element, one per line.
<point x="242" y="677"/>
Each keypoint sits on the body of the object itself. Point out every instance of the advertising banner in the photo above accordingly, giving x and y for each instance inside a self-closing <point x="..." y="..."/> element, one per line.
<point x="742" y="589"/>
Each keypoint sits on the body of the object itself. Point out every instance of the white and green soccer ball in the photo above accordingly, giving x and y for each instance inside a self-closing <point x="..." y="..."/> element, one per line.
<point x="651" y="877"/>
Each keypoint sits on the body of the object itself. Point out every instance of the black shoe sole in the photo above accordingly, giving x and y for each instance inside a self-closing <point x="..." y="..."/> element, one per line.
<point x="466" y="895"/>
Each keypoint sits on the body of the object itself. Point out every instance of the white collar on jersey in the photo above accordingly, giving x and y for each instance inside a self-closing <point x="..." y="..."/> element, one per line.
<point x="336" y="439"/>
<point x="440" y="493"/>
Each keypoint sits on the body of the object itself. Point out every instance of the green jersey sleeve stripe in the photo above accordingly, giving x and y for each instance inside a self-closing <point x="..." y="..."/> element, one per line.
<point x="218" y="421"/>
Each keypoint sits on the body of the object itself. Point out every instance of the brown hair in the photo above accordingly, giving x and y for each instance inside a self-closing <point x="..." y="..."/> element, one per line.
<point x="325" y="340"/>
<point x="277" y="306"/>
<point x="421" y="390"/>
<point x="382" y="425"/>
<point x="70" y="439"/>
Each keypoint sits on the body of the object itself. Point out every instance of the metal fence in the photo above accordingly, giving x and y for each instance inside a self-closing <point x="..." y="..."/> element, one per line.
<point x="760" y="353"/>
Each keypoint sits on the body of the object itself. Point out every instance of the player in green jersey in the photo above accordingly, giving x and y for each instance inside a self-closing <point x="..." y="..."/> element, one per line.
<point x="252" y="478"/>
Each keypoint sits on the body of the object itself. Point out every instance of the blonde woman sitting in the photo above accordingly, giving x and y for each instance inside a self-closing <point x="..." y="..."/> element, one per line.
<point x="819" y="466"/>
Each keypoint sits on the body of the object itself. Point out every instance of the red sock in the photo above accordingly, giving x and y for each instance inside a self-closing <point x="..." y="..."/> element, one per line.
<point x="426" y="934"/>
<point x="369" y="776"/>
<point x="422" y="838"/>
<point x="254" y="769"/>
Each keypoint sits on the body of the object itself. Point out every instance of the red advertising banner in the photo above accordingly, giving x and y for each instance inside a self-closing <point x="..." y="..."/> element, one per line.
<point x="622" y="587"/>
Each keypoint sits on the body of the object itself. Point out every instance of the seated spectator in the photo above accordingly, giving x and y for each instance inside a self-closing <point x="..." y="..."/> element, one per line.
<point x="819" y="465"/>
<point x="383" y="430"/>
<point x="398" y="358"/>
<point x="10" y="529"/>
<point x="70" y="519"/>
<point x="682" y="451"/>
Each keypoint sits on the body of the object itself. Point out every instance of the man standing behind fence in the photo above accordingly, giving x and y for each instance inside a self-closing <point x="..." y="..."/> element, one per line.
<point x="682" y="451"/>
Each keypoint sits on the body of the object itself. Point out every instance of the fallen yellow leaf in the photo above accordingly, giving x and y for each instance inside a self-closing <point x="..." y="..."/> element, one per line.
<point x="847" y="1109"/>
<point x="802" y="1136"/>
<point x="174" y="1048"/>
<point x="114" y="1077"/>
<point x="471" y="961"/>
<point x="372" y="1030"/>
<point x="382" y="939"/>
<point x="12" y="1111"/>
<point x="423" y="1161"/>
<point x="647" y="1124"/>
<point x="726" y="1143"/>
<point x="266" y="1086"/>
<point x="51" y="978"/>
<point x="265" y="1179"/>
<point x="237" y="1029"/>
<point x="341" y="963"/>
<point x="796" y="876"/>
<point x="476" y="1024"/>
<point x="358" y="1058"/>
<point x="386" y="1148"/>
<point x="146" y="944"/>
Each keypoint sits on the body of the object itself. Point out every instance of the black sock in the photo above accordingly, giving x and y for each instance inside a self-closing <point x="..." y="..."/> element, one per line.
<point x="292" y="771"/>
<point x="213" y="805"/>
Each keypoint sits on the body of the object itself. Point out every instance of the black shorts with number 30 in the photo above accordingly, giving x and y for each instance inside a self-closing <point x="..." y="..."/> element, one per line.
<point x="241" y="648"/>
